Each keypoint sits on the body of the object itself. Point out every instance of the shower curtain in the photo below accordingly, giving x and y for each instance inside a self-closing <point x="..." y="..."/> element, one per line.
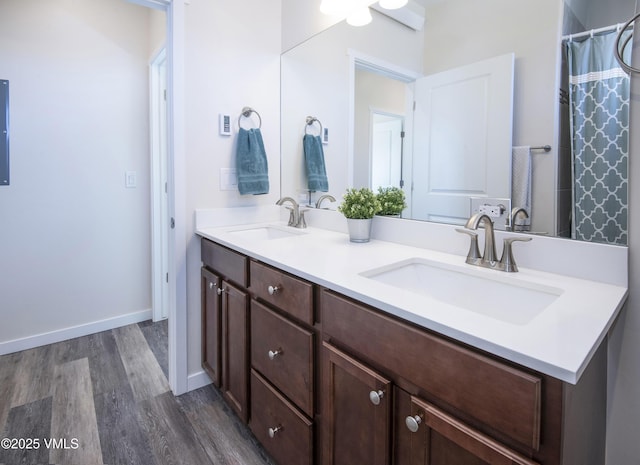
<point x="599" y="101"/>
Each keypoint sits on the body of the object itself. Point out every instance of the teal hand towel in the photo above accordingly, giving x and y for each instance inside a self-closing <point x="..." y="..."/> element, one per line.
<point x="314" y="162"/>
<point x="251" y="163"/>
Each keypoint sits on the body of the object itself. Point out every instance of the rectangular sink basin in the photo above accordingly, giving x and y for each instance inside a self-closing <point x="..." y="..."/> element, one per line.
<point x="266" y="232"/>
<point x="511" y="301"/>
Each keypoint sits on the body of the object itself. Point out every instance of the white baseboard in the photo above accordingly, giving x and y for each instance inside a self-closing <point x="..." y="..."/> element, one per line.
<point x="52" y="337"/>
<point x="197" y="380"/>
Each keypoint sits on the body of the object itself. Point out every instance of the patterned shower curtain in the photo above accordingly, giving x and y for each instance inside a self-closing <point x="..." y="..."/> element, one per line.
<point x="599" y="99"/>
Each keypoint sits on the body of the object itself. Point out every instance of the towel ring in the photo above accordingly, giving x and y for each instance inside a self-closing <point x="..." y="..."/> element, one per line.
<point x="620" y="49"/>
<point x="246" y="112"/>
<point x="310" y="121"/>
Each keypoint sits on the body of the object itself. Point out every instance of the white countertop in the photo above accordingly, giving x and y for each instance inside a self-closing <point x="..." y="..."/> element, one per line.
<point x="559" y="341"/>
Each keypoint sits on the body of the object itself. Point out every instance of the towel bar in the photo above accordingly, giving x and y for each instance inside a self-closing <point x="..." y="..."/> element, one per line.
<point x="546" y="148"/>
<point x="246" y="112"/>
<point x="310" y="121"/>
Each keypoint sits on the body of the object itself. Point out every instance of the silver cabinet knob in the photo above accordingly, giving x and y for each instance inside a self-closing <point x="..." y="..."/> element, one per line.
<point x="220" y="290"/>
<point x="413" y="423"/>
<point x="274" y="353"/>
<point x="273" y="290"/>
<point x="210" y="285"/>
<point x="272" y="431"/>
<point x="376" y="397"/>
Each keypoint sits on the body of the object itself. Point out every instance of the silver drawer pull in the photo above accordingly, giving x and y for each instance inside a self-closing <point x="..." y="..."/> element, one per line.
<point x="273" y="290"/>
<point x="376" y="397"/>
<point x="221" y="290"/>
<point x="272" y="431"/>
<point x="413" y="423"/>
<point x="274" y="353"/>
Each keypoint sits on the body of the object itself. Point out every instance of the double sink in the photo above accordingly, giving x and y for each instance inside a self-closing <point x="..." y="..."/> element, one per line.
<point x="493" y="294"/>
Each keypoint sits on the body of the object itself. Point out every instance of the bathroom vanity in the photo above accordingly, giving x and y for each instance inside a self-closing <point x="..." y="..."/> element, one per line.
<point x="332" y="366"/>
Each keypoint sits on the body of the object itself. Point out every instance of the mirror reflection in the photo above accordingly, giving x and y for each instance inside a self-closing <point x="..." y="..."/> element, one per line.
<point x="361" y="84"/>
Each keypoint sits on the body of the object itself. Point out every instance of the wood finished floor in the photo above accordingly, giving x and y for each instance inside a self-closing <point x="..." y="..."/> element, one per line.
<point x="107" y="396"/>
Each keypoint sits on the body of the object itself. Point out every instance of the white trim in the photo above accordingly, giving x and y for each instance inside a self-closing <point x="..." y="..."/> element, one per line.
<point x="598" y="76"/>
<point x="64" y="334"/>
<point x="176" y="192"/>
<point x="359" y="60"/>
<point x="197" y="380"/>
<point x="158" y="192"/>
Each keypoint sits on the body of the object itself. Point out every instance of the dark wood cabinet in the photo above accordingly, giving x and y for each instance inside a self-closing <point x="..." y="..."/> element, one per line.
<point x="235" y="323"/>
<point x="211" y="320"/>
<point x="284" y="431"/>
<point x="324" y="379"/>
<point x="426" y="435"/>
<point x="356" y="411"/>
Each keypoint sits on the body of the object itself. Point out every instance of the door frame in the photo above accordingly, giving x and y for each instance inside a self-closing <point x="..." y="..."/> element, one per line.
<point x="176" y="191"/>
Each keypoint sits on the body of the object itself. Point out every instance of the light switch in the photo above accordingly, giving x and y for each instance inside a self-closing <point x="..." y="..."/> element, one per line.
<point x="228" y="179"/>
<point x="130" y="179"/>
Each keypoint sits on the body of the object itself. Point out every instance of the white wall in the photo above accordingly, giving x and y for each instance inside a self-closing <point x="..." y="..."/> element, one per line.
<point x="300" y="20"/>
<point x="74" y="242"/>
<point x="316" y="82"/>
<point x="232" y="60"/>
<point x="623" y="385"/>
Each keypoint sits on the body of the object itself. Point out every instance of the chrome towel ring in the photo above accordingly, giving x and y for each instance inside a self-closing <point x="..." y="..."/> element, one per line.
<point x="246" y="112"/>
<point x="620" y="48"/>
<point x="310" y="121"/>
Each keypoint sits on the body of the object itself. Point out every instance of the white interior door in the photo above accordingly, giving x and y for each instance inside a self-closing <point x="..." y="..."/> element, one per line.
<point x="386" y="150"/>
<point x="159" y="194"/>
<point x="462" y="138"/>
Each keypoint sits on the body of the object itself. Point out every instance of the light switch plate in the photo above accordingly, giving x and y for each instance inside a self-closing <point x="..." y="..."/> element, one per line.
<point x="130" y="179"/>
<point x="225" y="125"/>
<point x="228" y="179"/>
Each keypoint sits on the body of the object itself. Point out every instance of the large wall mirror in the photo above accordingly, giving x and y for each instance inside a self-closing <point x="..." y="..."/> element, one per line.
<point x="360" y="83"/>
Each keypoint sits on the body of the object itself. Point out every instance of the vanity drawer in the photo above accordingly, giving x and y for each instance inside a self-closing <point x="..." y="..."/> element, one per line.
<point x="229" y="264"/>
<point x="285" y="432"/>
<point x="503" y="398"/>
<point x="290" y="294"/>
<point x="283" y="352"/>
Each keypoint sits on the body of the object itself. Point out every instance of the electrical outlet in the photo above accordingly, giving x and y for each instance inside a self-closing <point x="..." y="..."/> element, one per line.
<point x="495" y="208"/>
<point x="492" y="211"/>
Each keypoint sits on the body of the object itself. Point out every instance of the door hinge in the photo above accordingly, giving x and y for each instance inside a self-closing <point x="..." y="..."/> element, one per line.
<point x="173" y="223"/>
<point x="167" y="276"/>
<point x="164" y="94"/>
<point x="414" y="105"/>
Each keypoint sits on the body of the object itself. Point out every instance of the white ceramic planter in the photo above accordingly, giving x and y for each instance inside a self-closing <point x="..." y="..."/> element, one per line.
<point x="359" y="230"/>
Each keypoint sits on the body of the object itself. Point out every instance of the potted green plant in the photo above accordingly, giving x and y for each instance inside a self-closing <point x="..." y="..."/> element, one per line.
<point x="392" y="201"/>
<point x="359" y="206"/>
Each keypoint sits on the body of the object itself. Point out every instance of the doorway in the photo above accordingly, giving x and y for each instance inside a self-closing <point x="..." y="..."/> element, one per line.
<point x="160" y="220"/>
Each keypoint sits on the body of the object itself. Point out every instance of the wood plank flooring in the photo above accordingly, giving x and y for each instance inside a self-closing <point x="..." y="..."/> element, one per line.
<point x="104" y="399"/>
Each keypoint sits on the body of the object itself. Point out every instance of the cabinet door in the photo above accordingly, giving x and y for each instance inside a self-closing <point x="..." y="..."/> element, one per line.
<point x="357" y="411"/>
<point x="211" y="342"/>
<point x="235" y="322"/>
<point x="426" y="435"/>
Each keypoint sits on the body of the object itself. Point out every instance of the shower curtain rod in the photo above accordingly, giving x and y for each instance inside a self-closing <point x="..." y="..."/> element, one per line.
<point x="579" y="35"/>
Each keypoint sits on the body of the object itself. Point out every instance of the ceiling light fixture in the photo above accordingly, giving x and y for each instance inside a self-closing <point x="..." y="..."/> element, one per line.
<point x="393" y="4"/>
<point x="359" y="16"/>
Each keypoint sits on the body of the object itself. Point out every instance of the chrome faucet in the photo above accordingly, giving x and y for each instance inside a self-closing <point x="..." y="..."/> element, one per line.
<point x="489" y="258"/>
<point x="511" y="226"/>
<point x="489" y="254"/>
<point x="331" y="198"/>
<point x="296" y="216"/>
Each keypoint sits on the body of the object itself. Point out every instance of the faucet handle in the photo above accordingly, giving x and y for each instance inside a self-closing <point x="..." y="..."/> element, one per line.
<point x="292" y="216"/>
<point x="473" y="256"/>
<point x="507" y="262"/>
<point x="301" y="221"/>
